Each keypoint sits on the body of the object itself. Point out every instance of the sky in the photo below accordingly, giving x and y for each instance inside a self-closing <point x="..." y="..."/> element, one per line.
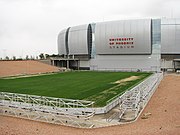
<point x="31" y="27"/>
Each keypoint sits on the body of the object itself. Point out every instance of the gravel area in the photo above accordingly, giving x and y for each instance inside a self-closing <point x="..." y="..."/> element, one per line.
<point x="164" y="108"/>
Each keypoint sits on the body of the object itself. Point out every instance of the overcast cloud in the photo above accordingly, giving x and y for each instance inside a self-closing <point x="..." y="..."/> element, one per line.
<point x="30" y="27"/>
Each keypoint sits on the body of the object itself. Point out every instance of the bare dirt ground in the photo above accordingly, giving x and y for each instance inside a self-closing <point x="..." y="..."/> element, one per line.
<point x="164" y="108"/>
<point x="128" y="79"/>
<point x="11" y="68"/>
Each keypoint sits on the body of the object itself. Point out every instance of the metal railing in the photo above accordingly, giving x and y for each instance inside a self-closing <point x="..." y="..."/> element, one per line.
<point x="136" y="98"/>
<point x="53" y="110"/>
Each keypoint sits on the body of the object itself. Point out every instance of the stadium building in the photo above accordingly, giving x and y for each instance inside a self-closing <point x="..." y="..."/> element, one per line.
<point x="126" y="45"/>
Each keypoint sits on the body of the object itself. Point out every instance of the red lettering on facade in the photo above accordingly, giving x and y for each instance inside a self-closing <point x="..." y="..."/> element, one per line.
<point x="124" y="42"/>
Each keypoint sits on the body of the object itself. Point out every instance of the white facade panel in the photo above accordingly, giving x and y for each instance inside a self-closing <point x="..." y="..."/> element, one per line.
<point x="84" y="63"/>
<point x="77" y="40"/>
<point x="123" y="37"/>
<point x="61" y="42"/>
<point x="170" y="36"/>
<point x="167" y="64"/>
<point x="125" y="63"/>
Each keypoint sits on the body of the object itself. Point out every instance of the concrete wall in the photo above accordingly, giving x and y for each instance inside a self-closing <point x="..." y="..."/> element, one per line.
<point x="125" y="62"/>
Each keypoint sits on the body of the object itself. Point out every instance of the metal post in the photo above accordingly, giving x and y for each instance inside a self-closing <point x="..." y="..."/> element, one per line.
<point x="67" y="64"/>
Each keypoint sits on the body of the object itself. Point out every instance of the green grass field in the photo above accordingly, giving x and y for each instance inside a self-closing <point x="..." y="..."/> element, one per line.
<point x="85" y="85"/>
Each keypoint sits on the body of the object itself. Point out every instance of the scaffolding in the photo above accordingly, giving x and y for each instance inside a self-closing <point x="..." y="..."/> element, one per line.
<point x="70" y="112"/>
<point x="134" y="100"/>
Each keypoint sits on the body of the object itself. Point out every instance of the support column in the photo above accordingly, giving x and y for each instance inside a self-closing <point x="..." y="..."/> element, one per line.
<point x="174" y="62"/>
<point x="67" y="64"/>
<point x="62" y="63"/>
<point x="77" y="64"/>
<point x="53" y="62"/>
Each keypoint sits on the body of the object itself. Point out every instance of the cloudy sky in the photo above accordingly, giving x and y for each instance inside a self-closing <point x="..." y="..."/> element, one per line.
<point x="30" y="27"/>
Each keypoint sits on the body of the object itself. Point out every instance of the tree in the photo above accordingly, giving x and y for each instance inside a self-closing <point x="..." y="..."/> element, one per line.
<point x="14" y="57"/>
<point x="6" y="58"/>
<point x="19" y="59"/>
<point x="41" y="56"/>
<point x="32" y="57"/>
<point x="55" y="55"/>
<point x="27" y="57"/>
<point x="47" y="56"/>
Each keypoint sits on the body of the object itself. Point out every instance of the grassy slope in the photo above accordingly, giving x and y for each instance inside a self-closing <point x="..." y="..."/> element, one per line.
<point x="74" y="85"/>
